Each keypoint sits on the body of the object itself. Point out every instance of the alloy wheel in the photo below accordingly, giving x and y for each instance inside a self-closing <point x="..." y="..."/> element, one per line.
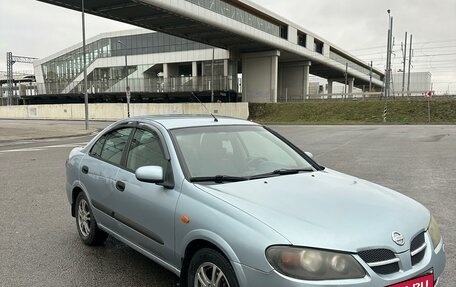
<point x="210" y="275"/>
<point x="84" y="218"/>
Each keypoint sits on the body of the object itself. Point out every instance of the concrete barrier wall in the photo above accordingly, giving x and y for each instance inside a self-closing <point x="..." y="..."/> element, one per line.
<point x="119" y="111"/>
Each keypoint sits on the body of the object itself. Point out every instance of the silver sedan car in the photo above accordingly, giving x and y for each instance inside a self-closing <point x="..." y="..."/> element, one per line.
<point x="227" y="202"/>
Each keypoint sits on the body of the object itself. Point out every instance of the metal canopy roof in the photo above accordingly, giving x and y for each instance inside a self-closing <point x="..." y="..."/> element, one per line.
<point x="154" y="18"/>
<point x="144" y="14"/>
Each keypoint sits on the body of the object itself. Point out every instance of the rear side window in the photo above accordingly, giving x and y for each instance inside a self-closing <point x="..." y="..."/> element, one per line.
<point x="110" y="146"/>
<point x="97" y="147"/>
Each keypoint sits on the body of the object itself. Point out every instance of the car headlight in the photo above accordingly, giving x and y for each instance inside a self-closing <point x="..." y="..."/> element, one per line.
<point x="434" y="231"/>
<point x="313" y="264"/>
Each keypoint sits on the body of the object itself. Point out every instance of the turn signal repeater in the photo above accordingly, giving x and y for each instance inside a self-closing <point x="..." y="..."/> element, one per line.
<point x="185" y="219"/>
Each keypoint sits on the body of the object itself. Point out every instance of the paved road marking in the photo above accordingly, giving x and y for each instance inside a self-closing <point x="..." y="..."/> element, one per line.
<point x="41" y="148"/>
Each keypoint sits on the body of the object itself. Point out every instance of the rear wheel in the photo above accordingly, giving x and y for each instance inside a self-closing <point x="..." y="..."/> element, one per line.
<point x="208" y="268"/>
<point x="86" y="224"/>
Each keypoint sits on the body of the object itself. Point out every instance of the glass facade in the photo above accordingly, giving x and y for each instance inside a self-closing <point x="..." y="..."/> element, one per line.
<point x="318" y="45"/>
<point x="238" y="14"/>
<point x="61" y="73"/>
<point x="67" y="67"/>
<point x="64" y="69"/>
<point x="152" y="43"/>
<point x="302" y="38"/>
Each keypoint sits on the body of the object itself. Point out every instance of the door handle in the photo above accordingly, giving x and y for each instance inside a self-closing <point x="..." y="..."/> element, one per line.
<point x="120" y="185"/>
<point x="85" y="169"/>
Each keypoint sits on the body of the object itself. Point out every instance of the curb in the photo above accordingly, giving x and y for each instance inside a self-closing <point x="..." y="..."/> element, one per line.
<point x="52" y="137"/>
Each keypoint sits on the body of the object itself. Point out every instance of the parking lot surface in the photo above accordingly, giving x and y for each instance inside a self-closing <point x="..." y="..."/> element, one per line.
<point x="39" y="244"/>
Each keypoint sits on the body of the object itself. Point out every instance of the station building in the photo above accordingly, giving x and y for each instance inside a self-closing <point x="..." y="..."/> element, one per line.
<point x="151" y="62"/>
<point x="275" y="56"/>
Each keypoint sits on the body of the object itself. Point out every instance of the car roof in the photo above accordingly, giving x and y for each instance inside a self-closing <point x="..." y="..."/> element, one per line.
<point x="185" y="121"/>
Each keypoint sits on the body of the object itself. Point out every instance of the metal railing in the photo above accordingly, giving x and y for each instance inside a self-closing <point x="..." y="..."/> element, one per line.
<point x="187" y="84"/>
<point x="148" y="85"/>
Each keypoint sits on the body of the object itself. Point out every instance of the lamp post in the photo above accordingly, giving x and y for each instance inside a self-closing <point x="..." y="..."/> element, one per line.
<point x="127" y="89"/>
<point x="86" y="97"/>
<point x="212" y="76"/>
<point x="388" y="65"/>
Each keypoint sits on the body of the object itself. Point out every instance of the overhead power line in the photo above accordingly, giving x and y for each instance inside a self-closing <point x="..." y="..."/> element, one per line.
<point x="418" y="43"/>
<point x="435" y="55"/>
<point x="437" y="47"/>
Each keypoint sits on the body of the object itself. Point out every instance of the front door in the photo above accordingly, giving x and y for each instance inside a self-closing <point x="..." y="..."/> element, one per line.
<point x="145" y="211"/>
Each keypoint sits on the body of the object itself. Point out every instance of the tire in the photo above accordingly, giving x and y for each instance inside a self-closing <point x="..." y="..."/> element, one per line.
<point x="201" y="270"/>
<point x="86" y="224"/>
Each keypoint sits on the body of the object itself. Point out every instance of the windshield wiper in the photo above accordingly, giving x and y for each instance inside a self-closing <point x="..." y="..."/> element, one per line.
<point x="282" y="171"/>
<point x="229" y="178"/>
<point x="219" y="178"/>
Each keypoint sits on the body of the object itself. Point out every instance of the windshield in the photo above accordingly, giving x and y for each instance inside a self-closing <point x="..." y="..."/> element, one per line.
<point x="236" y="152"/>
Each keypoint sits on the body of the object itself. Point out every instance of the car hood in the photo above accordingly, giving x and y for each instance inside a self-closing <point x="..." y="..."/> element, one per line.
<point x="328" y="209"/>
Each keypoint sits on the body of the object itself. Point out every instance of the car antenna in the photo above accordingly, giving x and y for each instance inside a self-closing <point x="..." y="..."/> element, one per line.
<point x="196" y="97"/>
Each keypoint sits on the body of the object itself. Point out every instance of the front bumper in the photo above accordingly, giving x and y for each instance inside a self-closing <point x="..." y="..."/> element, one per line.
<point x="434" y="260"/>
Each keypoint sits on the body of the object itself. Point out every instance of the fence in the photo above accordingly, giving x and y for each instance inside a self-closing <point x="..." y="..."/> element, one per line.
<point x="360" y="96"/>
<point x="150" y="85"/>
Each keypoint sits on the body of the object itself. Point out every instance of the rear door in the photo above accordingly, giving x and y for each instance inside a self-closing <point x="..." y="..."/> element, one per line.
<point x="99" y="170"/>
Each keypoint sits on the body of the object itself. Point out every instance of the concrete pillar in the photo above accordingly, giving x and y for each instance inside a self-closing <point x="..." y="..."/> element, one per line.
<point x="326" y="50"/>
<point x="351" y="83"/>
<point x="294" y="80"/>
<point x="225" y="67"/>
<point x="224" y="82"/>
<point x="292" y="35"/>
<point x="305" y="80"/>
<point x="194" y="69"/>
<point x="259" y="76"/>
<point x="232" y="74"/>
<point x="310" y="42"/>
<point x="194" y="76"/>
<point x="165" y="71"/>
<point x="330" y="88"/>
<point x="165" y="87"/>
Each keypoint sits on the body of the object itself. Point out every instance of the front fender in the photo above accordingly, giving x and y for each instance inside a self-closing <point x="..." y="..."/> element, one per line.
<point x="211" y="237"/>
<point x="221" y="244"/>
<point x="241" y="237"/>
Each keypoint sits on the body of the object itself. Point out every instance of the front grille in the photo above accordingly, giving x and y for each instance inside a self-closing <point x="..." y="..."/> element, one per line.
<point x="375" y="255"/>
<point x="387" y="269"/>
<point x="418" y="249"/>
<point x="382" y="261"/>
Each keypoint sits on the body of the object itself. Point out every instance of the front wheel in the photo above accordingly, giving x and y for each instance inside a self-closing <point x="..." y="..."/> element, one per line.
<point x="86" y="224"/>
<point x="208" y="268"/>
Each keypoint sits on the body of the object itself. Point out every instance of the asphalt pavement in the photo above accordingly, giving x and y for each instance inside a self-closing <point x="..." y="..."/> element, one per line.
<point x="16" y="130"/>
<point x="39" y="244"/>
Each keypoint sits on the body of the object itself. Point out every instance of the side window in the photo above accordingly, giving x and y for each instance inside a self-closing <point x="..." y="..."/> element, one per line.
<point x="97" y="147"/>
<point x="145" y="150"/>
<point x="110" y="147"/>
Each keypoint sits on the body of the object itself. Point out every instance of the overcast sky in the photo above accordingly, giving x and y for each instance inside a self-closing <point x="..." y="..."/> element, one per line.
<point x="35" y="29"/>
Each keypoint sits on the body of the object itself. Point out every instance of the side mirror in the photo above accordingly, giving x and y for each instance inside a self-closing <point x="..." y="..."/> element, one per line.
<point x="309" y="154"/>
<point x="152" y="174"/>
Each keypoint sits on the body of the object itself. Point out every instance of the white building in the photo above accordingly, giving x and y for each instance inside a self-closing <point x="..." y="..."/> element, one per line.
<point x="156" y="63"/>
<point x="420" y="82"/>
